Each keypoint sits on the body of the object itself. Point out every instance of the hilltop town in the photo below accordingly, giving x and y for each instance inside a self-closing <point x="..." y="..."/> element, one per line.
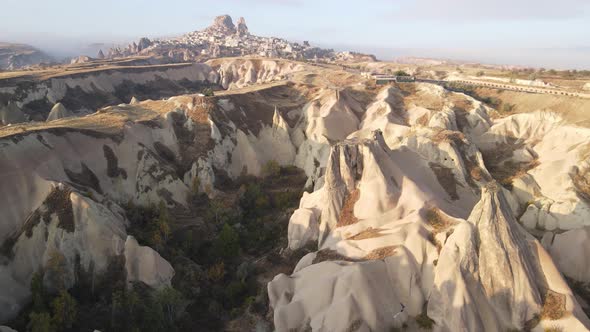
<point x="226" y="39"/>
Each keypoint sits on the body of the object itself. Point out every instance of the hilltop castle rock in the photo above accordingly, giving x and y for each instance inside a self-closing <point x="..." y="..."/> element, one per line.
<point x="223" y="38"/>
<point x="223" y="24"/>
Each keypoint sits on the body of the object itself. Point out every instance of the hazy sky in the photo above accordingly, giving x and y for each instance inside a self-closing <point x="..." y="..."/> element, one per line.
<point x="551" y="33"/>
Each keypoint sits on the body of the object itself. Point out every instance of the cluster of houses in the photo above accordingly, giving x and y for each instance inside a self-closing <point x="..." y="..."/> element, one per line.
<point x="224" y="39"/>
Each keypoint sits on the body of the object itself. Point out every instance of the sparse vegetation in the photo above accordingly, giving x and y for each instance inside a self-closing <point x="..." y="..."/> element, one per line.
<point x="227" y="244"/>
<point x="64" y="310"/>
<point x="553" y="306"/>
<point x="381" y="253"/>
<point x="368" y="233"/>
<point x="271" y="169"/>
<point x="347" y="216"/>
<point x="581" y="180"/>
<point x="507" y="108"/>
<point x="438" y="222"/>
<point x="471" y="91"/>
<point x="424" y="321"/>
<point x="208" y="92"/>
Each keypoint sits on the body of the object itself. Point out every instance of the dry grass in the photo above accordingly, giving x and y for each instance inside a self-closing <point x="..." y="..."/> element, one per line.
<point x="108" y="121"/>
<point x="423" y="120"/>
<point x="500" y="166"/>
<point x="460" y="102"/>
<point x="368" y="233"/>
<point x="347" y="216"/>
<point x="413" y="95"/>
<point x="509" y="171"/>
<point x="380" y="253"/>
<point x="92" y="67"/>
<point x="439" y="224"/>
<point x="437" y="221"/>
<point x="449" y="136"/>
<point x="553" y="306"/>
<point x="581" y="180"/>
<point x="571" y="108"/>
<point x="330" y="255"/>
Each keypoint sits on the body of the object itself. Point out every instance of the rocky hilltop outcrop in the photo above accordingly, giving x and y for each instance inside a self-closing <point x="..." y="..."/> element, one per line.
<point x="241" y="27"/>
<point x="222" y="24"/>
<point x="16" y="56"/>
<point x="223" y="38"/>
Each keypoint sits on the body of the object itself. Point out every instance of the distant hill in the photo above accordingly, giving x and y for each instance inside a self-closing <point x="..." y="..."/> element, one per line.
<point x="15" y="56"/>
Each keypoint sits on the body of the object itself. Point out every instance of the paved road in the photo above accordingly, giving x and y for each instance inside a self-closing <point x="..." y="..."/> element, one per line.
<point x="508" y="87"/>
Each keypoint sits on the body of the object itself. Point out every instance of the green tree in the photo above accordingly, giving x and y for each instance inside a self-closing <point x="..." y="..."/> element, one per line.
<point x="254" y="201"/>
<point x="401" y="73"/>
<point x="65" y="310"/>
<point x="171" y="302"/>
<point x="227" y="244"/>
<point x="125" y="308"/>
<point x="216" y="210"/>
<point x="164" y="221"/>
<point x="40" y="322"/>
<point x="56" y="268"/>
<point x="38" y="292"/>
<point x="159" y="227"/>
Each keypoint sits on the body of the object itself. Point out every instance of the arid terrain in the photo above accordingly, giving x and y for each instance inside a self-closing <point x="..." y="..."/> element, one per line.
<point x="280" y="193"/>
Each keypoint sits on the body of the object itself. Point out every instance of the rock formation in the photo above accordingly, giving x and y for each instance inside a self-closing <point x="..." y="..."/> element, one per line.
<point x="242" y="28"/>
<point x="222" y="24"/>
<point x="421" y="211"/>
<point x="16" y="56"/>
<point x="143" y="44"/>
<point x="91" y="91"/>
<point x="11" y="114"/>
<point x="58" y="111"/>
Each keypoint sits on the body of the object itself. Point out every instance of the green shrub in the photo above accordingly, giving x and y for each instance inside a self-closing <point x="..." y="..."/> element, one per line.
<point x="56" y="269"/>
<point x="208" y="92"/>
<point x="400" y="73"/>
<point x="162" y="227"/>
<point x="286" y="199"/>
<point x="216" y="272"/>
<point x="507" y="108"/>
<point x="219" y="213"/>
<point x="227" y="244"/>
<point x="65" y="310"/>
<point x="171" y="302"/>
<point x="149" y="224"/>
<point x="38" y="293"/>
<point x="271" y="169"/>
<point x="424" y="321"/>
<point x="40" y="322"/>
<point x="254" y="201"/>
